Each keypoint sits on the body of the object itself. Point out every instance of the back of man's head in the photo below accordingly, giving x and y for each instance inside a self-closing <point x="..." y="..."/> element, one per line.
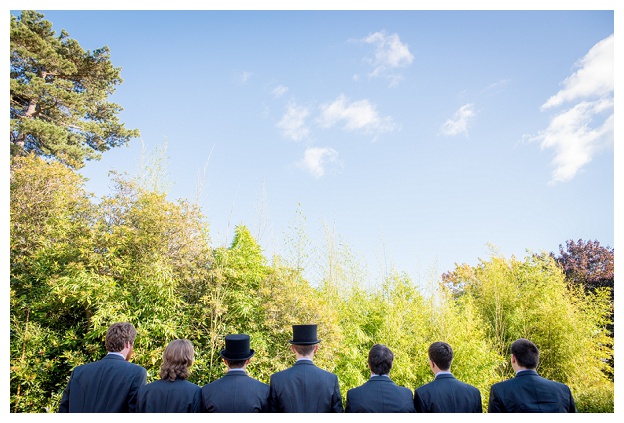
<point x="380" y="359"/>
<point x="235" y="364"/>
<point x="304" y="350"/>
<point x="526" y="353"/>
<point x="118" y="335"/>
<point x="441" y="354"/>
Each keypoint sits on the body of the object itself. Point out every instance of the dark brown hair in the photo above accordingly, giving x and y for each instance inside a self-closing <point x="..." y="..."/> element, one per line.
<point x="304" y="350"/>
<point x="441" y="354"/>
<point x="526" y="353"/>
<point x="118" y="335"/>
<point x="380" y="359"/>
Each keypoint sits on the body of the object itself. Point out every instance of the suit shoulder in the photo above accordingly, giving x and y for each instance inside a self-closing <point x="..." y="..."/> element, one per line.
<point x="405" y="389"/>
<point x="423" y="388"/>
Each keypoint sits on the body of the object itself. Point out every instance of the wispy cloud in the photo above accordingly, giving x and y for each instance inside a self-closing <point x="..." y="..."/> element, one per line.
<point x="594" y="77"/>
<point x="390" y="54"/>
<point x="279" y="91"/>
<point x="245" y="76"/>
<point x="358" y="115"/>
<point x="293" y="123"/>
<point x="460" y="121"/>
<point x="315" y="159"/>
<point x="576" y="134"/>
<point x="574" y="140"/>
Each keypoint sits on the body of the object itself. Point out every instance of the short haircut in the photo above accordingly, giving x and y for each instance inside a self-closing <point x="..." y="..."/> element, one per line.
<point x="177" y="360"/>
<point x="380" y="359"/>
<point x="304" y="350"/>
<point x="526" y="353"/>
<point x="235" y="364"/>
<point x="118" y="335"/>
<point x="441" y="354"/>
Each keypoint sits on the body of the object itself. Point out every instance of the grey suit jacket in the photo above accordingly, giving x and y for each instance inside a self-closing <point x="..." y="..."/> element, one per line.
<point x="235" y="392"/>
<point x="109" y="385"/>
<point x="304" y="388"/>
<point x="445" y="394"/>
<point x="528" y="392"/>
<point x="379" y="395"/>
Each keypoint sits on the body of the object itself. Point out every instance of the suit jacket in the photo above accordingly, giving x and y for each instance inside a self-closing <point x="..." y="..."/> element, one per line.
<point x="304" y="388"/>
<point x="109" y="385"/>
<point x="445" y="394"/>
<point x="528" y="392"/>
<point x="164" y="396"/>
<point x="235" y="392"/>
<point x="380" y="395"/>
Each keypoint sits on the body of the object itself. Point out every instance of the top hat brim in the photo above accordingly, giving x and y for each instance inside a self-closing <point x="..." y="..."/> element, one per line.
<point x="223" y="355"/>
<point x="305" y="342"/>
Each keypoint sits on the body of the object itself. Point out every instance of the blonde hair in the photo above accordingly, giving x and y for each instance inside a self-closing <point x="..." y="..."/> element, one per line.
<point x="177" y="360"/>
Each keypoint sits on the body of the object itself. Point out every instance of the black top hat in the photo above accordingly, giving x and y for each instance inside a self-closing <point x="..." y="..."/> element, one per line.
<point x="237" y="347"/>
<point x="304" y="335"/>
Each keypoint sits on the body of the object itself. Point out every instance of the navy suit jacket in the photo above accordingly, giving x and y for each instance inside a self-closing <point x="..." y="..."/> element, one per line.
<point x="235" y="392"/>
<point x="109" y="385"/>
<point x="380" y="395"/>
<point x="445" y="394"/>
<point x="164" y="396"/>
<point x="304" y="388"/>
<point x="530" y="393"/>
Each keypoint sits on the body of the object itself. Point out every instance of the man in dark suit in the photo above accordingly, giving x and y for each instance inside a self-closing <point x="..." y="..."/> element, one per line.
<point x="235" y="392"/>
<point x="109" y="385"/>
<point x="445" y="394"/>
<point x="172" y="393"/>
<point x="528" y="392"/>
<point x="304" y="388"/>
<point x="380" y="394"/>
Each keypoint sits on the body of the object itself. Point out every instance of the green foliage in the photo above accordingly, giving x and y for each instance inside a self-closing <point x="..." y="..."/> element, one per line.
<point x="79" y="265"/>
<point x="58" y="104"/>
<point x="531" y="299"/>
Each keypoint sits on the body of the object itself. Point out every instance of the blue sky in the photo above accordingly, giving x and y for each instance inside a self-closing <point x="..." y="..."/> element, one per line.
<point x="417" y="136"/>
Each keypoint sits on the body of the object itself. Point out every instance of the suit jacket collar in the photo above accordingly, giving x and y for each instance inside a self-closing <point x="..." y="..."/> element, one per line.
<point x="113" y="357"/>
<point x="527" y="373"/>
<point x="382" y="379"/>
<point x="235" y="374"/>
<point x="444" y="376"/>
<point x="304" y="363"/>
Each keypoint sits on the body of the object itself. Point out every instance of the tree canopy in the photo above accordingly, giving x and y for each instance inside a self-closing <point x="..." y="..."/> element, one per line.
<point x="587" y="263"/>
<point x="79" y="265"/>
<point x="59" y="93"/>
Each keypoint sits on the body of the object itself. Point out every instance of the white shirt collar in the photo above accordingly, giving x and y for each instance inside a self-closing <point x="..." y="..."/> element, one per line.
<point x="116" y="353"/>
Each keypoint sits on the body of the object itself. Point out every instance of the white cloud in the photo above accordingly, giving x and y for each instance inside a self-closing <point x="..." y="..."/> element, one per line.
<point x="315" y="159"/>
<point x="390" y="54"/>
<point x="574" y="141"/>
<point x="293" y="124"/>
<point x="459" y="122"/>
<point x="578" y="133"/>
<point x="279" y="91"/>
<point x="593" y="78"/>
<point x="358" y="115"/>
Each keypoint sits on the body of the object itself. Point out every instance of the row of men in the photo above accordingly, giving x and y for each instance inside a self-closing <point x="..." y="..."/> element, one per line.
<point x="113" y="384"/>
